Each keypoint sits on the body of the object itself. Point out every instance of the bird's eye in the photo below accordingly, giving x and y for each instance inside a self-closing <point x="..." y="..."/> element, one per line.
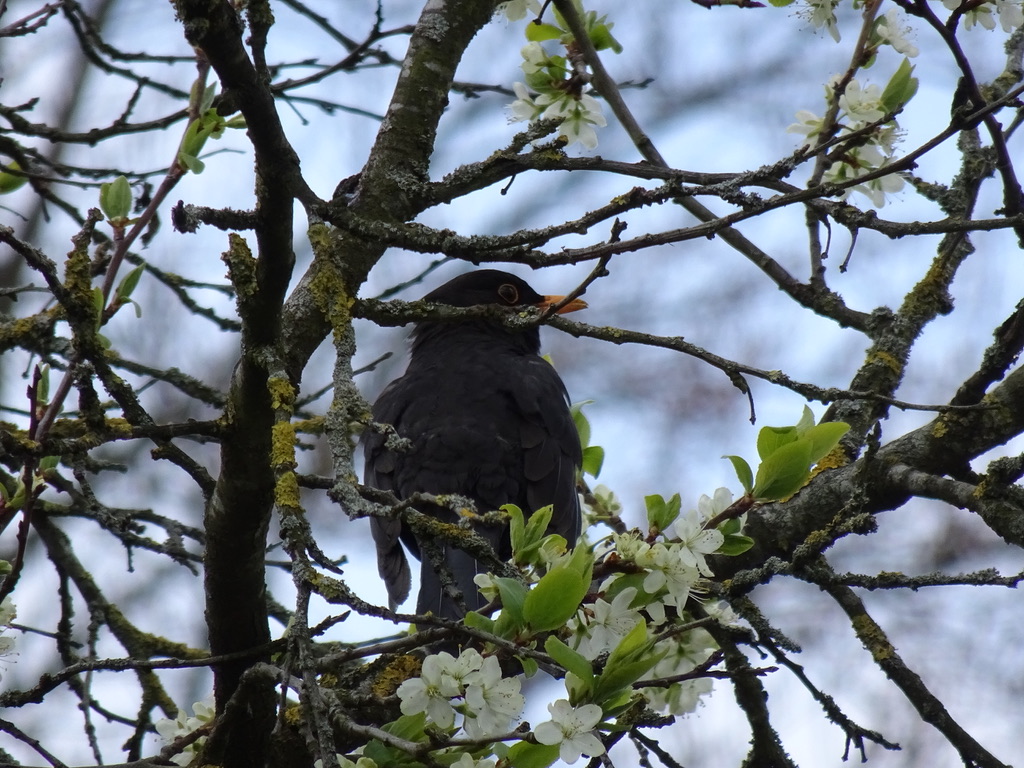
<point x="509" y="294"/>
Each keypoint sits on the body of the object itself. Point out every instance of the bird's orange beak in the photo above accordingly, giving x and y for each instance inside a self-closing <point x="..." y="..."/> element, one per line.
<point x="572" y="306"/>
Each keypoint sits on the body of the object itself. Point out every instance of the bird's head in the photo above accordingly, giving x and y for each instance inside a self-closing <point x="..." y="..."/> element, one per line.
<point x="486" y="287"/>
<point x="492" y="286"/>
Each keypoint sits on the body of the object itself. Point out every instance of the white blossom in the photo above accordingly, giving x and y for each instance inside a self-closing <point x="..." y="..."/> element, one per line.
<point x="710" y="506"/>
<point x="1011" y="14"/>
<point x="669" y="569"/>
<point x="607" y="499"/>
<point x="535" y="58"/>
<point x="579" y="116"/>
<point x="980" y="14"/>
<point x="821" y="13"/>
<point x="492" y="702"/>
<point x="514" y="10"/>
<point x="679" y="698"/>
<point x="860" y="103"/>
<point x="630" y="545"/>
<point x="860" y="161"/>
<point x="721" y="612"/>
<point x="524" y="107"/>
<point x="344" y="762"/>
<point x="458" y="673"/>
<point x="807" y="124"/>
<point x="572" y="728"/>
<point x="696" y="542"/>
<point x="8" y="611"/>
<point x="431" y="691"/>
<point x="892" y="29"/>
<point x="468" y="761"/>
<point x="684" y="654"/>
<point x="601" y="628"/>
<point x="169" y="730"/>
<point x="487" y="585"/>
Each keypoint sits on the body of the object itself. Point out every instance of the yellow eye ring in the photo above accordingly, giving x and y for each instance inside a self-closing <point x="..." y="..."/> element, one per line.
<point x="509" y="294"/>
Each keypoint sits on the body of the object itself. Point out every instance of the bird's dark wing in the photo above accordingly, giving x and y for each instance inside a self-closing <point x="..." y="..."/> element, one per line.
<point x="378" y="471"/>
<point x="551" y="446"/>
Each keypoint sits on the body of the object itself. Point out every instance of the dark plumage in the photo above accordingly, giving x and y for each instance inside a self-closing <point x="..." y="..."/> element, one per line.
<point x="488" y="418"/>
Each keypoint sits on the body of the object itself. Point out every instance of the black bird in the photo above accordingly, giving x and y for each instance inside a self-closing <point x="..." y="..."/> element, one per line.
<point x="487" y="418"/>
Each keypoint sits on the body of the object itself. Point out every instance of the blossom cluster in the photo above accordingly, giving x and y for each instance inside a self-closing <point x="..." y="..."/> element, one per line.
<point x="578" y="114"/>
<point x="203" y="712"/>
<point x="672" y="567"/>
<point x="8" y="611"/>
<point x="1009" y="13"/>
<point x="615" y="639"/>
<point x="554" y="87"/>
<point x="870" y="147"/>
<point x="859" y="107"/>
<point x="471" y="685"/>
<point x="821" y="14"/>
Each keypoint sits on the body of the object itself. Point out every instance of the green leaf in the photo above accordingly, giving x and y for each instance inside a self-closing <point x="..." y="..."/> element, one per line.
<point x="537" y="32"/>
<point x="538" y="524"/>
<point x="407" y="726"/>
<point x="616" y="705"/>
<point x="377" y="752"/>
<point x="784" y="472"/>
<point x="660" y="513"/>
<point x="618" y="679"/>
<point x="17" y="501"/>
<point x="730" y="526"/>
<point x="806" y="421"/>
<point x="529" y="665"/>
<point x="602" y="38"/>
<point x="633" y="642"/>
<point x="513" y="595"/>
<point x="743" y="472"/>
<point x="631" y="659"/>
<point x="43" y="392"/>
<point x="194" y="139"/>
<point x="901" y="88"/>
<point x="209" y="94"/>
<point x="825" y="437"/>
<point x="213" y="124"/>
<point x="570" y="660"/>
<point x="97" y="305"/>
<point x="517" y="528"/>
<point x="781" y="3"/>
<point x="581" y="562"/>
<point x="128" y="283"/>
<point x="116" y="199"/>
<point x="10" y="181"/>
<point x="770" y="439"/>
<point x="529" y="538"/>
<point x="555" y="599"/>
<point x="593" y="459"/>
<point x="523" y="754"/>
<point x="476" y="620"/>
<point x="581" y="421"/>
<point x="735" y="544"/>
<point x="191" y="162"/>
